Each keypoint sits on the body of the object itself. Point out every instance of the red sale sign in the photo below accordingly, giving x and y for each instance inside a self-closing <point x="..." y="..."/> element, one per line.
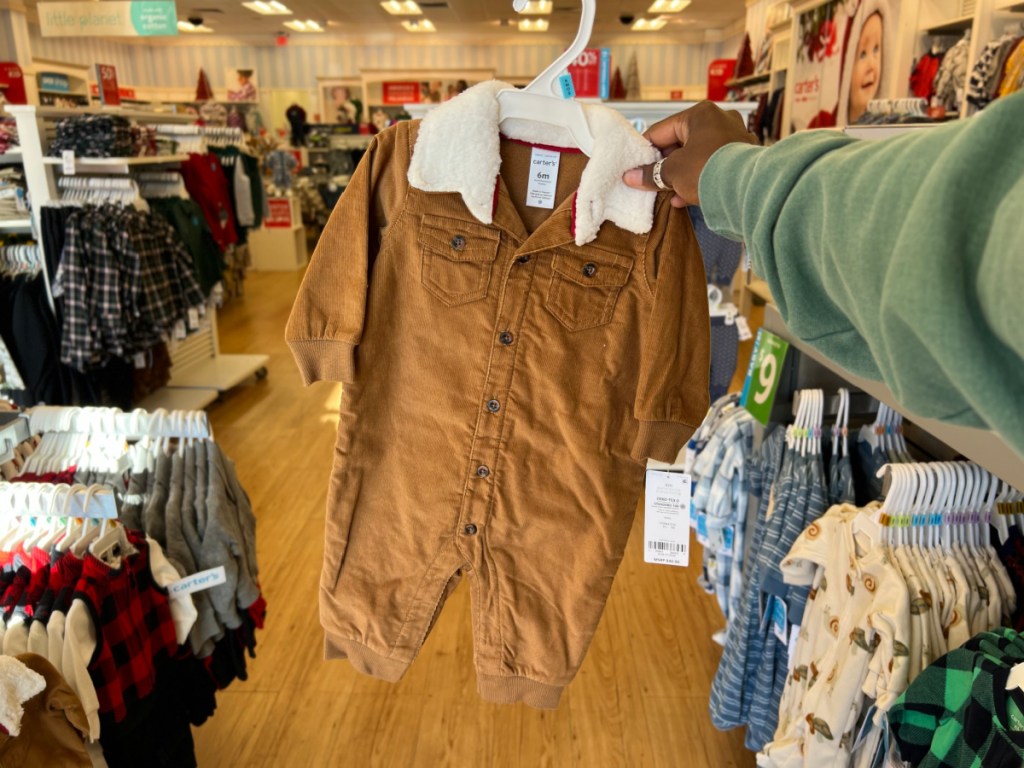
<point x="401" y="93"/>
<point x="12" y="83"/>
<point x="280" y="213"/>
<point x="590" y="73"/>
<point x="719" y="72"/>
<point x="106" y="82"/>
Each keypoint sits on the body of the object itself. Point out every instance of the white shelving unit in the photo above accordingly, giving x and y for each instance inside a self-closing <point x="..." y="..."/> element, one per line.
<point x="981" y="446"/>
<point x="21" y="226"/>
<point x="199" y="372"/>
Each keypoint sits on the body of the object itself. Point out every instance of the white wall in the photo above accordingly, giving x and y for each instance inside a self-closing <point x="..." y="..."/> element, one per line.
<point x="662" y="64"/>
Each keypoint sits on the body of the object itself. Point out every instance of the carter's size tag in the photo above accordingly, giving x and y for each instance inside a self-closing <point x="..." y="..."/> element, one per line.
<point x="140" y="360"/>
<point x="540" y="193"/>
<point x="667" y="518"/>
<point x="198" y="582"/>
<point x="68" y="162"/>
<point x="728" y="538"/>
<point x="193" y="319"/>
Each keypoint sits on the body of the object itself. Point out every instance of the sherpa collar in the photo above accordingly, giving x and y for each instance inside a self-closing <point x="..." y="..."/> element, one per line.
<point x="458" y="150"/>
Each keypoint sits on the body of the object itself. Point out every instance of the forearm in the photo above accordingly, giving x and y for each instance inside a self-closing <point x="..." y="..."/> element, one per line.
<point x="898" y="259"/>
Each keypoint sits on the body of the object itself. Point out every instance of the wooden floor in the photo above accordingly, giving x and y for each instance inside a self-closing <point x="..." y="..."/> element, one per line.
<point x="641" y="698"/>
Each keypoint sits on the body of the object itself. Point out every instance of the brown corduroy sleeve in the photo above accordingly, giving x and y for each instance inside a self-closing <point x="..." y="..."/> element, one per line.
<point x="326" y="322"/>
<point x="675" y="358"/>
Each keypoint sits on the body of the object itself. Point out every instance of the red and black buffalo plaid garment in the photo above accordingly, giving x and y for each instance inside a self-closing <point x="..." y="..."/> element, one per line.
<point x="134" y="628"/>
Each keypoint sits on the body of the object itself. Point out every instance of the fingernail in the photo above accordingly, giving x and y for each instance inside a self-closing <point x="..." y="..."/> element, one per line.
<point x="633" y="177"/>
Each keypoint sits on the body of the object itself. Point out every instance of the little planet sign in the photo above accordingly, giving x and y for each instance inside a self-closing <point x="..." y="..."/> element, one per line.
<point x="146" y="18"/>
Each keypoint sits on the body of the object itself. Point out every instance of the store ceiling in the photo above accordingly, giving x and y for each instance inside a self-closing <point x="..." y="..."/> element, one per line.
<point x="365" y="17"/>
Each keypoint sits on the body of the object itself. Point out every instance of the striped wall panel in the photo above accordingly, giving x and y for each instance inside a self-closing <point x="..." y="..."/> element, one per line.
<point x="298" y="65"/>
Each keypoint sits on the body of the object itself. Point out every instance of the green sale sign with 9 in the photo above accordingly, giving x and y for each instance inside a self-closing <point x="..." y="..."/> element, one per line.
<point x="763" y="375"/>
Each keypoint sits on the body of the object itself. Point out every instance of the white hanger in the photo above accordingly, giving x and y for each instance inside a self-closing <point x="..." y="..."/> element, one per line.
<point x="541" y="101"/>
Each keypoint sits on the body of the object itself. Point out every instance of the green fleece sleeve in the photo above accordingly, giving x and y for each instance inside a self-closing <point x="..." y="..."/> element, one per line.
<point x="901" y="260"/>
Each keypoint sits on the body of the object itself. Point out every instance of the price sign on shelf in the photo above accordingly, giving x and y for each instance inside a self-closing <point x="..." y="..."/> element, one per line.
<point x="763" y="375"/>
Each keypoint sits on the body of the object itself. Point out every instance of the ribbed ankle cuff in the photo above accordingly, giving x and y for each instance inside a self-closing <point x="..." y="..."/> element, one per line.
<point x="363" y="659"/>
<point x="513" y="690"/>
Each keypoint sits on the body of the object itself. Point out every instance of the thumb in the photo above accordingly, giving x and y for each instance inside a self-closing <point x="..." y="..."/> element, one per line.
<point x="641" y="178"/>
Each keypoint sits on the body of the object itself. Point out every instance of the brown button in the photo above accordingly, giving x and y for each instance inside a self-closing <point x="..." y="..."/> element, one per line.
<point x="470" y="530"/>
<point x="482" y="471"/>
<point x="505" y="338"/>
<point x="589" y="269"/>
<point x="458" y="242"/>
<point x="524" y="259"/>
<point x="493" y="406"/>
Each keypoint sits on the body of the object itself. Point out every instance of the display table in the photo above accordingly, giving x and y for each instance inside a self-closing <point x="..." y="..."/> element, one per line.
<point x="280" y="244"/>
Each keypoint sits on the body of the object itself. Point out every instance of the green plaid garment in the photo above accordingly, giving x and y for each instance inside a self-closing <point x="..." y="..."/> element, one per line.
<point x="958" y="713"/>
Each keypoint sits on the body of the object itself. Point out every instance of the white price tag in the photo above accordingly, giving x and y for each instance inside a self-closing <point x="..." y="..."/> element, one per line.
<point x="193" y="319"/>
<point x="68" y="162"/>
<point x="746" y="258"/>
<point x="794" y="638"/>
<point x="743" y="328"/>
<point x="140" y="359"/>
<point x="667" y="518"/>
<point x="198" y="582"/>
<point x="540" y="191"/>
<point x="179" y="330"/>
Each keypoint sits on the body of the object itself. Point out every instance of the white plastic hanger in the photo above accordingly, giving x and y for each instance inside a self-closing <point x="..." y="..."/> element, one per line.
<point x="541" y="101"/>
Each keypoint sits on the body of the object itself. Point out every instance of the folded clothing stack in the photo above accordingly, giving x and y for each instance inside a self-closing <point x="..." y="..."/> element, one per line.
<point x="8" y="136"/>
<point x="12" y="194"/>
<point x="95" y="136"/>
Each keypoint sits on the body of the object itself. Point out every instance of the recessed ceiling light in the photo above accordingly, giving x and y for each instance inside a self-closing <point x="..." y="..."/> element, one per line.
<point x="668" y="6"/>
<point x="533" y="25"/>
<point x="648" y="25"/>
<point x="187" y="26"/>
<point x="420" y="25"/>
<point x="401" y="7"/>
<point x="271" y="8"/>
<point x="304" y="26"/>
<point x="537" y="7"/>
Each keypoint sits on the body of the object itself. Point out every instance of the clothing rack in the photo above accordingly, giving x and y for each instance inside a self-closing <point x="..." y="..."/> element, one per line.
<point x="940" y="439"/>
<point x="58" y="500"/>
<point x="199" y="372"/>
<point x="134" y="425"/>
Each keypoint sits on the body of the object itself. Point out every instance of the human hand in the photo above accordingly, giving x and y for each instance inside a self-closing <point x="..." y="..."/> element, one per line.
<point x="687" y="140"/>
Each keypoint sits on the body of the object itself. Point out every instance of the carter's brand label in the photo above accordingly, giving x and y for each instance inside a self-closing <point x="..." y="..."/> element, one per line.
<point x="540" y="193"/>
<point x="198" y="582"/>
<point x="667" y="518"/>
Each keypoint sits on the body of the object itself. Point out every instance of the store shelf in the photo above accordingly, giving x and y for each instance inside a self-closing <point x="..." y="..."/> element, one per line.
<point x="116" y="164"/>
<point x="222" y="372"/>
<point x="181" y="399"/>
<point x="984" y="448"/>
<point x="54" y="113"/>
<point x="743" y="82"/>
<point x="951" y="27"/>
<point x="1011" y="7"/>
<point x="16" y="225"/>
<point x="11" y="157"/>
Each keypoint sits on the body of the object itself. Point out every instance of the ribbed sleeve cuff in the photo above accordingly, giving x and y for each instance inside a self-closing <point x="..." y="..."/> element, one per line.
<point x="723" y="186"/>
<point x="660" y="440"/>
<point x="324" y="360"/>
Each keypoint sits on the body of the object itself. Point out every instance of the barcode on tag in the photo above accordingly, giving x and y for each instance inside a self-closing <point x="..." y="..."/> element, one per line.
<point x="667" y="546"/>
<point x="667" y="518"/>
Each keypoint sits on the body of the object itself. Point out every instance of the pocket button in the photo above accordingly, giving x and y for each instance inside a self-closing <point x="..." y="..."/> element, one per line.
<point x="458" y="243"/>
<point x="589" y="269"/>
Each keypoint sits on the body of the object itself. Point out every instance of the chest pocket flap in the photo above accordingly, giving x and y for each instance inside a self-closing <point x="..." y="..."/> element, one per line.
<point x="585" y="287"/>
<point x="456" y="258"/>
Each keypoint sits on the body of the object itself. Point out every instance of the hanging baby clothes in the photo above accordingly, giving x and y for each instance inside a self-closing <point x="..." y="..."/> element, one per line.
<point x="580" y="332"/>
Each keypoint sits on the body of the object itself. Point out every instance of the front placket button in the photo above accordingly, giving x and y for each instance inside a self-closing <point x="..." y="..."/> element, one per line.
<point x="470" y="530"/>
<point x="458" y="242"/>
<point x="589" y="269"/>
<point x="505" y="338"/>
<point x="482" y="471"/>
<point x="524" y="259"/>
<point x="493" y="406"/>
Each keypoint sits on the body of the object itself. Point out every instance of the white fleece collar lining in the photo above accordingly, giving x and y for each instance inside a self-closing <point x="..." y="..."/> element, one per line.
<point x="459" y="150"/>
